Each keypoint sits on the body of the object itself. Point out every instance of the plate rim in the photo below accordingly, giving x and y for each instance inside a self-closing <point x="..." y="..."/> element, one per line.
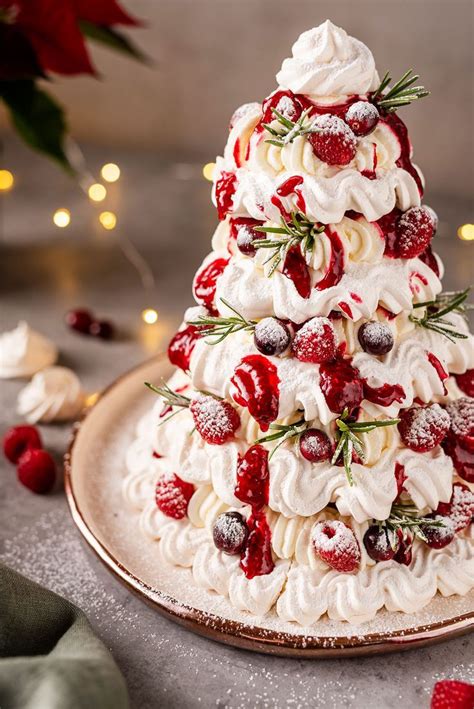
<point x="237" y="633"/>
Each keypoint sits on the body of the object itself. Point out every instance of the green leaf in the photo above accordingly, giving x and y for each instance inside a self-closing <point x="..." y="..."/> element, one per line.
<point x="112" y="39"/>
<point x="38" y="119"/>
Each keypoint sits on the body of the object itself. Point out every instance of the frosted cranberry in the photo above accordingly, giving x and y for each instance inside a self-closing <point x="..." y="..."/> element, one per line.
<point x="362" y="117"/>
<point x="380" y="544"/>
<point x="19" y="439"/>
<point x="230" y="532"/>
<point x="246" y="235"/>
<point x="423" y="428"/>
<point x="315" y="445"/>
<point x="334" y="143"/>
<point x="439" y="536"/>
<point x="376" y="338"/>
<point x="414" y="231"/>
<point x="315" y="341"/>
<point x="466" y="382"/>
<point x="271" y="336"/>
<point x="285" y="102"/>
<point x="336" y="544"/>
<point x="79" y="320"/>
<point x="216" y="420"/>
<point x="103" y="329"/>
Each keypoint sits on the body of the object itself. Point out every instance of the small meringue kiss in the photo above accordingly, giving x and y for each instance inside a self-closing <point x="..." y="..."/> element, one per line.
<point x="23" y="352"/>
<point x="54" y="394"/>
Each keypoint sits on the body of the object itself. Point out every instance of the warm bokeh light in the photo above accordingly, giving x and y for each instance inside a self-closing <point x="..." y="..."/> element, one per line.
<point x="92" y="398"/>
<point x="62" y="218"/>
<point x="6" y="180"/>
<point x="149" y="316"/>
<point x="466" y="232"/>
<point x="108" y="220"/>
<point x="97" y="192"/>
<point x="110" y="172"/>
<point x="208" y="170"/>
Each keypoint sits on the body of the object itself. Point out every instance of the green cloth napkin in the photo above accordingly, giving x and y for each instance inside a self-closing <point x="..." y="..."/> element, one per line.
<point x="49" y="656"/>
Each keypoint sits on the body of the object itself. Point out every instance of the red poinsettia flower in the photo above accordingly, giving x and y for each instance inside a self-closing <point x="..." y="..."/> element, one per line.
<point x="53" y="31"/>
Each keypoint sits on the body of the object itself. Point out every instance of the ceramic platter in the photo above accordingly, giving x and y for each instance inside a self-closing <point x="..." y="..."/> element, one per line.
<point x="94" y="472"/>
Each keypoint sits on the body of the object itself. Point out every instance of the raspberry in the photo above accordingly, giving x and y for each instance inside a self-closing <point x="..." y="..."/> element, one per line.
<point x="315" y="341"/>
<point x="460" y="508"/>
<point x="414" y="231"/>
<point x="439" y="537"/>
<point x="244" y="233"/>
<point x="19" y="439"/>
<point x="461" y="413"/>
<point x="380" y="544"/>
<point x="423" y="428"/>
<point x="376" y="338"/>
<point x="466" y="382"/>
<point x="334" y="143"/>
<point x="315" y="445"/>
<point x="36" y="470"/>
<point x="230" y="532"/>
<point x="271" y="336"/>
<point x="215" y="420"/>
<point x="362" y="117"/>
<point x="172" y="496"/>
<point x="451" y="694"/>
<point x="336" y="544"/>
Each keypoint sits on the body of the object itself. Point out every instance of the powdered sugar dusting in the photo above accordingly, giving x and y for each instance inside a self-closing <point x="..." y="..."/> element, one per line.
<point x="461" y="413"/>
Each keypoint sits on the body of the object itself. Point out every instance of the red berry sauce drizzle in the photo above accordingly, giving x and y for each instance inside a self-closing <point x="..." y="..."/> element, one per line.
<point x="252" y="489"/>
<point x="205" y="282"/>
<point x="225" y="190"/>
<point x="256" y="386"/>
<point x="182" y="345"/>
<point x="404" y="161"/>
<point x="440" y="370"/>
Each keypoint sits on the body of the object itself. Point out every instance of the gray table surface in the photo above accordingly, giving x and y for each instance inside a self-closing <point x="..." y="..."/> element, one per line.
<point x="165" y="210"/>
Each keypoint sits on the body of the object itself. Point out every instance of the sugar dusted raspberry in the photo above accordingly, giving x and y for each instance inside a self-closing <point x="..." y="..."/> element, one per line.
<point x="19" y="439"/>
<point x="272" y="336"/>
<point x="423" y="428"/>
<point x="466" y="382"/>
<point x="461" y="413"/>
<point x="414" y="231"/>
<point x="376" y="338"/>
<point x="451" y="694"/>
<point x="333" y="142"/>
<point x="440" y="536"/>
<point x="315" y="341"/>
<point x="336" y="544"/>
<point x="460" y="508"/>
<point x="362" y="117"/>
<point x="315" y="445"/>
<point x="36" y="470"/>
<point x="380" y="544"/>
<point x="230" y="532"/>
<point x="215" y="420"/>
<point x="172" y="495"/>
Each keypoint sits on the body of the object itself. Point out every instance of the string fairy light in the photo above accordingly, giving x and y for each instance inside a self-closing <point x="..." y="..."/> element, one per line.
<point x="6" y="180"/>
<point x="110" y="172"/>
<point x="108" y="220"/>
<point x="149" y="316"/>
<point x="62" y="218"/>
<point x="466" y="232"/>
<point x="97" y="192"/>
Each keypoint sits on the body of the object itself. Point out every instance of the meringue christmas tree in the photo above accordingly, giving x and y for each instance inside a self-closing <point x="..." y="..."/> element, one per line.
<point x="313" y="453"/>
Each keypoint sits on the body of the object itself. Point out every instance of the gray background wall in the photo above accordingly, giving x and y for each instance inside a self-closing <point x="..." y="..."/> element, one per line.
<point x="212" y="55"/>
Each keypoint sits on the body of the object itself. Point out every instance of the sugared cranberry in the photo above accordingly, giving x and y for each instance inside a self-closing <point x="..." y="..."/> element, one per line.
<point x="466" y="382"/>
<point x="172" y="496"/>
<point x="315" y="341"/>
<point x="380" y="544"/>
<point x="439" y="536"/>
<point x="315" y="445"/>
<point x="285" y="102"/>
<point x="460" y="508"/>
<point x="36" y="470"/>
<point x="216" y="420"/>
<point x="376" y="338"/>
<point x="341" y="385"/>
<point x="79" y="320"/>
<point x="103" y="329"/>
<point x="205" y="281"/>
<point x="271" y="336"/>
<point x="333" y="142"/>
<point x="246" y="235"/>
<point x="182" y="345"/>
<point x="19" y="439"/>
<point x="452" y="694"/>
<point x="422" y="428"/>
<point x="336" y="544"/>
<point x="404" y="554"/>
<point x="230" y="532"/>
<point x="362" y="117"/>
<point x="414" y="231"/>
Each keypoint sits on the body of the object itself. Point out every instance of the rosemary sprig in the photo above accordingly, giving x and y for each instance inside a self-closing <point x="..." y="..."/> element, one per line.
<point x="220" y="327"/>
<point x="402" y="92"/>
<point x="171" y="400"/>
<point x="288" y="130"/>
<point x="298" y="231"/>
<point x="445" y="303"/>
<point x="405" y="517"/>
<point x="287" y="432"/>
<point x="348" y="439"/>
